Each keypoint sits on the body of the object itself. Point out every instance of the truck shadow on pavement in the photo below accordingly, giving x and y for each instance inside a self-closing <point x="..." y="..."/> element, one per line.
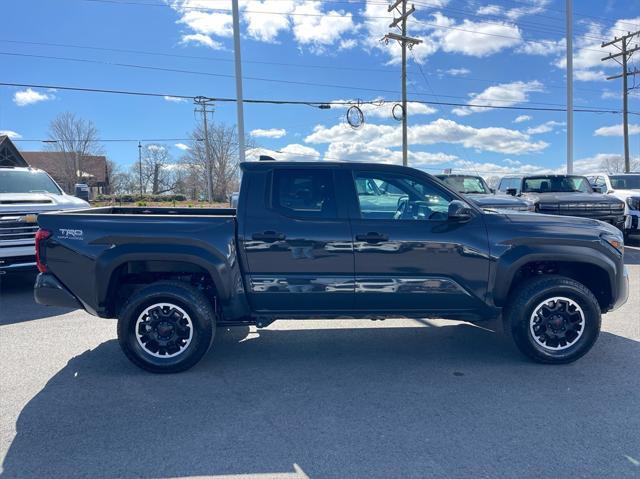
<point x="449" y="401"/>
<point x="16" y="299"/>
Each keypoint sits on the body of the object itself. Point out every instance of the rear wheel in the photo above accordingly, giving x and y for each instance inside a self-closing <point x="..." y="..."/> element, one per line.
<point x="166" y="327"/>
<point x="554" y="319"/>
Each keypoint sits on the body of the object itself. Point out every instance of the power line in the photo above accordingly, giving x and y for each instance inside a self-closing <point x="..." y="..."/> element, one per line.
<point x="316" y="104"/>
<point x="322" y="15"/>
<point x="252" y="78"/>
<point x="206" y="58"/>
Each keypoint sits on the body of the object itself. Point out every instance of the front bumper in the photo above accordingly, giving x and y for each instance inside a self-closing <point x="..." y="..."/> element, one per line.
<point x="632" y="223"/>
<point x="49" y="291"/>
<point x="17" y="263"/>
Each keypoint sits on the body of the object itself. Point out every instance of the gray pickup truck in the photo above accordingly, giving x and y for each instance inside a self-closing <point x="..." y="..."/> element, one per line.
<point x="331" y="240"/>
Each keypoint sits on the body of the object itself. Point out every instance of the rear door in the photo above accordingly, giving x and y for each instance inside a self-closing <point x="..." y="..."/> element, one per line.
<point x="297" y="242"/>
<point x="411" y="257"/>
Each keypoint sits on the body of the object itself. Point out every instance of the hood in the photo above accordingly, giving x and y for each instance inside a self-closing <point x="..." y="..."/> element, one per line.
<point x="563" y="225"/>
<point x="37" y="202"/>
<point x="570" y="198"/>
<point x="496" y="201"/>
<point x="625" y="193"/>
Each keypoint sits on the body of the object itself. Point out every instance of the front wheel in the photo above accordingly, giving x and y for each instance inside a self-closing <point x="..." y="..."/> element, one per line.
<point x="166" y="327"/>
<point x="554" y="319"/>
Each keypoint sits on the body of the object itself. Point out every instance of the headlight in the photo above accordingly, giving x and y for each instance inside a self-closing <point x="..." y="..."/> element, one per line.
<point x="618" y="206"/>
<point x="613" y="241"/>
<point x="634" y="202"/>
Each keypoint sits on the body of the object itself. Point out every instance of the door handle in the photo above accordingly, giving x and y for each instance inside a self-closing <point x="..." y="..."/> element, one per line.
<point x="372" y="237"/>
<point x="268" y="236"/>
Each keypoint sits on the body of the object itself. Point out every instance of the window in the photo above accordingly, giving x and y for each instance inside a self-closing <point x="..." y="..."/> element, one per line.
<point x="304" y="193"/>
<point x="507" y="183"/>
<point x="556" y="184"/>
<point x="400" y="197"/>
<point x="21" y="181"/>
<point x="625" y="182"/>
<point x="466" y="184"/>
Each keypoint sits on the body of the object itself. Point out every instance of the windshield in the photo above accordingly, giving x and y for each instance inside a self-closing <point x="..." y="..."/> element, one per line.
<point x="466" y="184"/>
<point x="556" y="184"/>
<point x="12" y="181"/>
<point x="625" y="182"/>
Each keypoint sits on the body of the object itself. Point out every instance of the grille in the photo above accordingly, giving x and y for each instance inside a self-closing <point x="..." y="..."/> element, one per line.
<point x="14" y="230"/>
<point x="580" y="209"/>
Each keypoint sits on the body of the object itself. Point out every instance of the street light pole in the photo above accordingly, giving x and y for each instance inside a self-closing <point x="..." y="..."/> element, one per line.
<point x="140" y="165"/>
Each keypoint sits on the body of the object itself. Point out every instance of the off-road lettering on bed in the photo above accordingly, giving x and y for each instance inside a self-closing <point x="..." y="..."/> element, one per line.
<point x="328" y="240"/>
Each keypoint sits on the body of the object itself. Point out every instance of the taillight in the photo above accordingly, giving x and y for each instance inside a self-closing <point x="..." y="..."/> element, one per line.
<point x="41" y="235"/>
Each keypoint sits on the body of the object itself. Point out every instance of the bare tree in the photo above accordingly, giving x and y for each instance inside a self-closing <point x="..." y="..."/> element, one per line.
<point x="615" y="164"/>
<point x="75" y="138"/>
<point x="219" y="166"/>
<point x="158" y="169"/>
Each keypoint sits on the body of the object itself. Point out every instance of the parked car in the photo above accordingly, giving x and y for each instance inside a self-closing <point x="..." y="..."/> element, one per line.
<point x="171" y="275"/>
<point x="24" y="193"/>
<point x="567" y="195"/>
<point x="477" y="190"/>
<point x="625" y="187"/>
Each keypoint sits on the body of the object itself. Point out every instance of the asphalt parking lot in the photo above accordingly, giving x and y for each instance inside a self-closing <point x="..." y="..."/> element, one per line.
<point x="332" y="399"/>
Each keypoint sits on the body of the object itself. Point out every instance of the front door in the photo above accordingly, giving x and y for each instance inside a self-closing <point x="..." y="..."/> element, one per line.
<point x="297" y="243"/>
<point x="408" y="255"/>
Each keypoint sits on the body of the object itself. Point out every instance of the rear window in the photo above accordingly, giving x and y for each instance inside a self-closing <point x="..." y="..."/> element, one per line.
<point x="14" y="181"/>
<point x="556" y="184"/>
<point x="304" y="193"/>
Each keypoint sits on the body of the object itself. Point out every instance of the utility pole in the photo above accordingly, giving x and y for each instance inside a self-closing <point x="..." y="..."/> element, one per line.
<point x="140" y="166"/>
<point x="569" y="15"/>
<point x="203" y="102"/>
<point x="400" y="6"/>
<point x="238" y="62"/>
<point x="625" y="54"/>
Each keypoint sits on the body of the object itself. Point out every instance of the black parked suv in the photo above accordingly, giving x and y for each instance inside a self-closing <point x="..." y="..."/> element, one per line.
<point x="566" y="195"/>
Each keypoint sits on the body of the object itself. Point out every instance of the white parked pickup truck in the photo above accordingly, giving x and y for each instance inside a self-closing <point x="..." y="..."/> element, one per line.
<point x="626" y="187"/>
<point x="25" y="192"/>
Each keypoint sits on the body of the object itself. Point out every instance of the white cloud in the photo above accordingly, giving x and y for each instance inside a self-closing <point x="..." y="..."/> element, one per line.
<point x="494" y="139"/>
<point x="534" y="7"/>
<point x="175" y="99"/>
<point x="478" y="39"/>
<point x="611" y="95"/>
<point x="319" y="29"/>
<point x="202" y="39"/>
<point x="545" y="127"/>
<point x="29" y="97"/>
<point x="616" y="130"/>
<point x="11" y="134"/>
<point x="297" y="151"/>
<point x="384" y="109"/>
<point x="363" y="152"/>
<point x="270" y="133"/>
<point x="522" y="118"/>
<point x="542" y="47"/>
<point x="504" y="94"/>
<point x="458" y="72"/>
<point x="489" y="10"/>
<point x="588" y="52"/>
<point x="266" y="27"/>
<point x="293" y="152"/>
<point x="153" y="147"/>
<point x="182" y="146"/>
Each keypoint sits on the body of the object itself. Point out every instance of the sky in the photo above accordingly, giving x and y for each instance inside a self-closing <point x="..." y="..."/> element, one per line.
<point x="480" y="52"/>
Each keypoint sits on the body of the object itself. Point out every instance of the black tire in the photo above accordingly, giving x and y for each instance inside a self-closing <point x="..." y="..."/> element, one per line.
<point x="529" y="296"/>
<point x="182" y="296"/>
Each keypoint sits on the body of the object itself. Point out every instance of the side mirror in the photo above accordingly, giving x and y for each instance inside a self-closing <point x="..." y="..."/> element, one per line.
<point x="511" y="191"/>
<point x="459" y="211"/>
<point x="492" y="190"/>
<point x="598" y="189"/>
